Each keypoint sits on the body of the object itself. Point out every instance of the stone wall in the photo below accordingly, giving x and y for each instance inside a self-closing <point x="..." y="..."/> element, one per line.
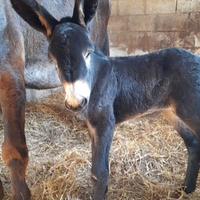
<point x="147" y="25"/>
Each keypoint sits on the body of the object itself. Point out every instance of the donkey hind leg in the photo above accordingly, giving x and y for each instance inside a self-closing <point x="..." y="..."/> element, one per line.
<point x="14" y="149"/>
<point x="192" y="143"/>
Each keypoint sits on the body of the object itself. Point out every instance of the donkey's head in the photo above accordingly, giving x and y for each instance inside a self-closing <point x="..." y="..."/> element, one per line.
<point x="69" y="45"/>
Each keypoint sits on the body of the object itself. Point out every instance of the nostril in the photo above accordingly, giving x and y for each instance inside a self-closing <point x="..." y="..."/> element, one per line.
<point x="79" y="107"/>
<point x="84" y="103"/>
<point x="67" y="105"/>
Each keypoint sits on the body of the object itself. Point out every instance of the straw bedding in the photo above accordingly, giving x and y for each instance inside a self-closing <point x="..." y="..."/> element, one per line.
<point x="147" y="160"/>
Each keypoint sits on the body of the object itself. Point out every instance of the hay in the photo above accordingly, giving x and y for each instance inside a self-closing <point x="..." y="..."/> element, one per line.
<point x="147" y="161"/>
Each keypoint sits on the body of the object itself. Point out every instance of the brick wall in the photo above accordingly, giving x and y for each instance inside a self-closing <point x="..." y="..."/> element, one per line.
<point x="147" y="25"/>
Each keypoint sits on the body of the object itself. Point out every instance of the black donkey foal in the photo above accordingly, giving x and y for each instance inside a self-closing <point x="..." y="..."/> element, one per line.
<point x="111" y="90"/>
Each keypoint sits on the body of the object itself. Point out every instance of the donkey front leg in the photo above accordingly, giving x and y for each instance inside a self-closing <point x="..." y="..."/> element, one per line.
<point x="14" y="149"/>
<point x="101" y="130"/>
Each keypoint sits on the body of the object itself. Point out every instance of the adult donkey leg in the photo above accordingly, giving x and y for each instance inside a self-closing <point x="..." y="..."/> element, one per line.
<point x="98" y="26"/>
<point x="14" y="149"/>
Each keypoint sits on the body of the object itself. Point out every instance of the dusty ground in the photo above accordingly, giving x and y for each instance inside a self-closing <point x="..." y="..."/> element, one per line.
<point x="147" y="161"/>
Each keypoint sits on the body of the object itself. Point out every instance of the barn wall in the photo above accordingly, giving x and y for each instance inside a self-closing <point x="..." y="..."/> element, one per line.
<point x="147" y="25"/>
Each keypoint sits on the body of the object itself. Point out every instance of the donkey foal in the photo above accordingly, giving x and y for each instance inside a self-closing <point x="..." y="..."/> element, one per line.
<point x="110" y="90"/>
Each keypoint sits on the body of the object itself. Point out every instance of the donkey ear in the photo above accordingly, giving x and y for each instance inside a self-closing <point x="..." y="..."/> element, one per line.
<point x="90" y="7"/>
<point x="35" y="15"/>
<point x="84" y="11"/>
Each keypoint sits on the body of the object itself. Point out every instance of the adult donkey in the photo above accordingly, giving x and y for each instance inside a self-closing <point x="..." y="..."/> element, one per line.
<point x="16" y="39"/>
<point x="111" y="90"/>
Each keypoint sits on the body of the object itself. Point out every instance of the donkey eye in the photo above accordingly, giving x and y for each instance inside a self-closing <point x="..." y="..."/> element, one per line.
<point x="87" y="54"/>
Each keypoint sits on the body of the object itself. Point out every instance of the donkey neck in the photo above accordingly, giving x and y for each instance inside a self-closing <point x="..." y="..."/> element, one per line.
<point x="100" y="65"/>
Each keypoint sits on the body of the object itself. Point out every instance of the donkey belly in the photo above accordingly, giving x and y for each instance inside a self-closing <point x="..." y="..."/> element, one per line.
<point x="145" y="99"/>
<point x="127" y="110"/>
<point x="123" y="115"/>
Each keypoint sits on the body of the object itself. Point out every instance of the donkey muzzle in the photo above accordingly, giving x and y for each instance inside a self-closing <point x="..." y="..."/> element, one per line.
<point x="78" y="107"/>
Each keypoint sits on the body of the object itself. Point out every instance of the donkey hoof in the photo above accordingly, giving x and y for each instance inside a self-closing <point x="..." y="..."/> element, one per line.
<point x="100" y="195"/>
<point x="22" y="197"/>
<point x="188" y="189"/>
<point x="24" y="194"/>
<point x="1" y="191"/>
